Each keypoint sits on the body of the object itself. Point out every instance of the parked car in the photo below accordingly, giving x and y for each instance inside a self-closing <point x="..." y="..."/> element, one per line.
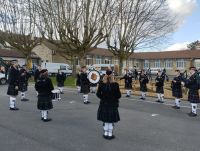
<point x="101" y="68"/>
<point x="2" y="78"/>
<point x="54" y="67"/>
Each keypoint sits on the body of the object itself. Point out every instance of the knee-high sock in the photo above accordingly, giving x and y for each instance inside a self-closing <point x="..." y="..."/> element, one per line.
<point x="106" y="127"/>
<point x="110" y="129"/>
<point x="159" y="96"/>
<point x="78" y="88"/>
<point x="162" y="97"/>
<point x="23" y="94"/>
<point x="93" y="89"/>
<point x="12" y="102"/>
<point x="128" y="92"/>
<point x="85" y="98"/>
<point x="42" y="114"/>
<point x="194" y="108"/>
<point x="143" y="94"/>
<point x="45" y="114"/>
<point x="177" y="102"/>
<point x="60" y="88"/>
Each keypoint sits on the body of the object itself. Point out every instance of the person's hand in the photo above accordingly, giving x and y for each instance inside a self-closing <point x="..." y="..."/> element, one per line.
<point x="174" y="81"/>
<point x="183" y="83"/>
<point x="16" y="88"/>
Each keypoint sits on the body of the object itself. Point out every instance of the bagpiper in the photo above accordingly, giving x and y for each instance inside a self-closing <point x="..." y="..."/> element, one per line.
<point x="128" y="79"/>
<point x="85" y="84"/>
<point x="160" y="87"/>
<point x="192" y="83"/>
<point x="13" y="84"/>
<point x="177" y="89"/>
<point x="44" y="88"/>
<point x="109" y="94"/>
<point x="143" y="79"/>
<point x="23" y="82"/>
<point x="78" y="82"/>
<point x="60" y="78"/>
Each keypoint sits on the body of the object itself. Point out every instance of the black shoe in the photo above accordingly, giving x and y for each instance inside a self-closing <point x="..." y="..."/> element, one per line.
<point x="42" y="118"/>
<point x="14" y="109"/>
<point x="61" y="92"/>
<point x="111" y="137"/>
<point x="105" y="136"/>
<point x="142" y="98"/>
<point x="127" y="96"/>
<point x="24" y="100"/>
<point x="161" y="101"/>
<point x="191" y="114"/>
<point x="158" y="101"/>
<point x="47" y="120"/>
<point x="175" y="107"/>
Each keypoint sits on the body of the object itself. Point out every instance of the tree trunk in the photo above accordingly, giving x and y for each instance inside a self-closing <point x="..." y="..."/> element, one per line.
<point x="29" y="62"/>
<point x="120" y="65"/>
<point x="73" y="63"/>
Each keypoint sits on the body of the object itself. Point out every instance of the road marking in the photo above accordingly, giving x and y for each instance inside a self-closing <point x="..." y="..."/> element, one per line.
<point x="72" y="102"/>
<point x="153" y="115"/>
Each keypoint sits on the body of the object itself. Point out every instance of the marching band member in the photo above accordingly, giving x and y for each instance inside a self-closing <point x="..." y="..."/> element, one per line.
<point x="177" y="89"/>
<point x="37" y="73"/>
<point x="159" y="87"/>
<point x="44" y="87"/>
<point x="85" y="84"/>
<point x="143" y="79"/>
<point x="23" y="82"/>
<point x="13" y="81"/>
<point x="60" y="78"/>
<point x="109" y="94"/>
<point x="128" y="79"/>
<point x="192" y="84"/>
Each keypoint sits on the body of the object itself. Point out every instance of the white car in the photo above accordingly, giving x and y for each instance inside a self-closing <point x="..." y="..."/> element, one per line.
<point x="2" y="78"/>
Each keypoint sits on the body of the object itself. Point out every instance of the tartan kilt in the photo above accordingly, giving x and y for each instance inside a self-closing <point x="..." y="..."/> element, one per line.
<point x="44" y="103"/>
<point x="160" y="90"/>
<point x="108" y="114"/>
<point x="128" y="86"/>
<point x="177" y="93"/>
<point x="60" y="84"/>
<point x="23" y="87"/>
<point x="143" y="88"/>
<point x="193" y="96"/>
<point x="12" y="91"/>
<point x="85" y="89"/>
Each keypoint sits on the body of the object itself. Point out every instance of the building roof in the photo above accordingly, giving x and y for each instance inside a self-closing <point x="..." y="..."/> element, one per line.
<point x="100" y="52"/>
<point x="14" y="54"/>
<point x="179" y="54"/>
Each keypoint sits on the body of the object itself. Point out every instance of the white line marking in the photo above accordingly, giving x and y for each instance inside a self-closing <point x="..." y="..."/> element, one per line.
<point x="154" y="115"/>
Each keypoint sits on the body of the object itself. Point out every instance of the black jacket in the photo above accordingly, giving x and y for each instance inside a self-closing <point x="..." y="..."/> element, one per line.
<point x="36" y="75"/>
<point x="60" y="78"/>
<point x="109" y="94"/>
<point x="13" y="78"/>
<point x="160" y="81"/>
<point x="24" y="76"/>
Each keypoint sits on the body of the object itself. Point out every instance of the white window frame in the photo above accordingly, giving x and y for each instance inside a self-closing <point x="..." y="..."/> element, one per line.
<point x="180" y="63"/>
<point x="168" y="64"/>
<point x="98" y="60"/>
<point x="157" y="64"/>
<point x="146" y="64"/>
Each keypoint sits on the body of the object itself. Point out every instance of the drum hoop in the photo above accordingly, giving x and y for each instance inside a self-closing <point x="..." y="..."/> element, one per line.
<point x="91" y="79"/>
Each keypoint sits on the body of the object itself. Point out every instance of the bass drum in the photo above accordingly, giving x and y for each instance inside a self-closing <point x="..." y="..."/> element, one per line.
<point x="94" y="76"/>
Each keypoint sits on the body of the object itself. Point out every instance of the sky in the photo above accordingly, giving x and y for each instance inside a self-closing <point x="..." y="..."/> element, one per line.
<point x="188" y="13"/>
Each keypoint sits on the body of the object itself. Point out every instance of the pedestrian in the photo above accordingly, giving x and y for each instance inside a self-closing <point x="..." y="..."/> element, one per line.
<point x="160" y="87"/>
<point x="192" y="83"/>
<point x="109" y="94"/>
<point x="44" y="88"/>
<point x="60" y="78"/>
<point x="177" y="89"/>
<point x="37" y="73"/>
<point x="78" y="82"/>
<point x="128" y="79"/>
<point x="23" y="82"/>
<point x="143" y="79"/>
<point x="85" y="84"/>
<point x="13" y="84"/>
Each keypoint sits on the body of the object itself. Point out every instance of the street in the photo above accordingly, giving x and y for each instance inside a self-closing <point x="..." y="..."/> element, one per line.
<point x="144" y="126"/>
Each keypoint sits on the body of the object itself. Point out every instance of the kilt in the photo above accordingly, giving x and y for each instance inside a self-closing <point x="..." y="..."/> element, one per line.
<point x="60" y="84"/>
<point x="12" y="91"/>
<point x="44" y="103"/>
<point x="177" y="93"/>
<point x="85" y="89"/>
<point x="128" y="86"/>
<point x="160" y="90"/>
<point x="143" y="88"/>
<point x="193" y="96"/>
<point x="23" y="87"/>
<point x="108" y="114"/>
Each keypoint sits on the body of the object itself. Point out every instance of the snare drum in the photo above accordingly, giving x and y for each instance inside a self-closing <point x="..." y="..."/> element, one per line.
<point x="56" y="95"/>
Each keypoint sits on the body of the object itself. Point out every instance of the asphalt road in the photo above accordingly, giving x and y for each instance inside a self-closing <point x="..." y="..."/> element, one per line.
<point x="144" y="126"/>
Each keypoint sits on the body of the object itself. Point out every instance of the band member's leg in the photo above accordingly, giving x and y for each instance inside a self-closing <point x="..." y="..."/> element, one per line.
<point x="78" y="89"/>
<point x="106" y="127"/>
<point x="194" y="108"/>
<point x="161" y="98"/>
<point x="110" y="130"/>
<point x="13" y="103"/>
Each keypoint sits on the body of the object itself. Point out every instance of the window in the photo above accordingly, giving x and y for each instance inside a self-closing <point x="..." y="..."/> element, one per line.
<point x="146" y="64"/>
<point x="168" y="64"/>
<point x="157" y="64"/>
<point x="107" y="61"/>
<point x="88" y="60"/>
<point x="180" y="63"/>
<point x="98" y="60"/>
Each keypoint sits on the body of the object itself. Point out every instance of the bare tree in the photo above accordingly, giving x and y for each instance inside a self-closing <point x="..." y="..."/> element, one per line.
<point x="75" y="25"/>
<point x="140" y="24"/>
<point x="18" y="26"/>
<point x="194" y="45"/>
